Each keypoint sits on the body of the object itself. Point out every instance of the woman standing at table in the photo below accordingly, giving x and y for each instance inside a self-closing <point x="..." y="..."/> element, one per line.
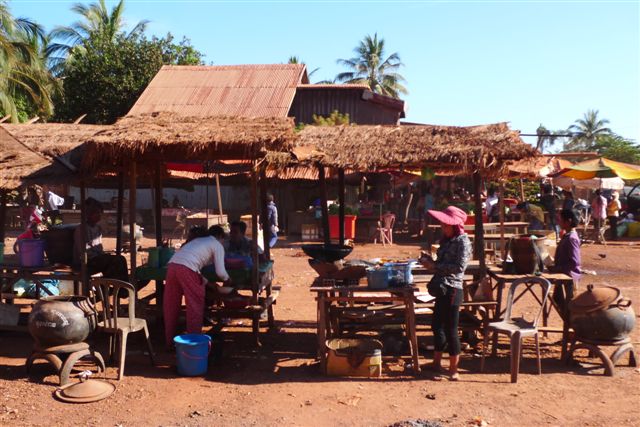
<point x="446" y="286"/>
<point x="184" y="278"/>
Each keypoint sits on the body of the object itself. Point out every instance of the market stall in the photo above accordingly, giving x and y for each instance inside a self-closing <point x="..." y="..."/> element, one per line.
<point x="148" y="142"/>
<point x="479" y="151"/>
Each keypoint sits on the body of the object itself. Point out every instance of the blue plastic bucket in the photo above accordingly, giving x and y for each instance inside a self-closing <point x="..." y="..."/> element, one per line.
<point x="31" y="252"/>
<point x="192" y="353"/>
<point x="378" y="278"/>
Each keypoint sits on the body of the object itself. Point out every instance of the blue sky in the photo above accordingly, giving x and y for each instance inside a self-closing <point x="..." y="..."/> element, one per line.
<point x="466" y="62"/>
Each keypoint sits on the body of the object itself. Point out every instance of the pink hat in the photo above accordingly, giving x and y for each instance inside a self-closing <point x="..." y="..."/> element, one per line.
<point x="450" y="216"/>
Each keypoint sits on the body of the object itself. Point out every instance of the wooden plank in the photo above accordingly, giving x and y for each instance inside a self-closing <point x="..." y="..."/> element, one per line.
<point x="254" y="230"/>
<point x="120" y="213"/>
<point x="323" y="202"/>
<point x="341" y="201"/>
<point x="158" y="203"/>
<point x="264" y="214"/>
<point x="478" y="250"/>
<point x="84" y="271"/>
<point x="133" y="172"/>
<point x="3" y="213"/>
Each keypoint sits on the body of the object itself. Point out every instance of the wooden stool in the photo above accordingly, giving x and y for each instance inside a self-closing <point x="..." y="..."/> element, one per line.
<point x="609" y="362"/>
<point x="70" y="353"/>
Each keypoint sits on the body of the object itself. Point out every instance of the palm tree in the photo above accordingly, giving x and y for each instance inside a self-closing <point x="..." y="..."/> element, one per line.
<point x="370" y="67"/>
<point x="584" y="131"/>
<point x="96" y="21"/>
<point x="294" y="59"/>
<point x="24" y="77"/>
<point x="546" y="138"/>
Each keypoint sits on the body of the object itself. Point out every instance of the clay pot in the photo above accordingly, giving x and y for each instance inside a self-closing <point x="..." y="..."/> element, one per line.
<point x="61" y="320"/>
<point x="602" y="314"/>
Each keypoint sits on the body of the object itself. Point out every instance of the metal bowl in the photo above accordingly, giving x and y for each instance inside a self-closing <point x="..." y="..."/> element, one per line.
<point x="327" y="253"/>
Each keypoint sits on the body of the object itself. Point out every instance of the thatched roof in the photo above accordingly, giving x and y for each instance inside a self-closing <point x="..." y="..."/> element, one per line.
<point x="167" y="137"/>
<point x="16" y="161"/>
<point x="486" y="148"/>
<point x="60" y="143"/>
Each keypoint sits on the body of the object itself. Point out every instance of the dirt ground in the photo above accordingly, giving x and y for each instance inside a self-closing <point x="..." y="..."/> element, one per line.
<point x="280" y="384"/>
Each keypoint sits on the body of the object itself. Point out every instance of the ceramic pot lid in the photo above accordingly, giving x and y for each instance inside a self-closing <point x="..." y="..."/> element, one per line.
<point x="594" y="299"/>
<point x="85" y="391"/>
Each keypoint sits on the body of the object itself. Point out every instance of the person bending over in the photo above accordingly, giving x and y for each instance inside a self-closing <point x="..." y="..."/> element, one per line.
<point x="184" y="278"/>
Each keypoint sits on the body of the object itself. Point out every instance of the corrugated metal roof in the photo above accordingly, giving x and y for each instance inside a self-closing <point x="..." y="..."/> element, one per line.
<point x="222" y="90"/>
<point x="344" y="86"/>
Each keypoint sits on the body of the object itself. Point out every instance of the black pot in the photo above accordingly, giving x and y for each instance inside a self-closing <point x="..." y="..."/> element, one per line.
<point x="61" y="320"/>
<point x="327" y="253"/>
<point x="602" y="314"/>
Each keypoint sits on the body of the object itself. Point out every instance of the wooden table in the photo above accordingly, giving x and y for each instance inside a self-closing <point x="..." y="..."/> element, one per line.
<point x="240" y="279"/>
<point x="10" y="273"/>
<point x="562" y="289"/>
<point x="361" y="294"/>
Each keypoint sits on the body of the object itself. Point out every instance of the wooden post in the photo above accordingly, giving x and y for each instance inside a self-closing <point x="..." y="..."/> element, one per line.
<point x="132" y="218"/>
<point x="478" y="250"/>
<point x="341" y="197"/>
<point x="522" y="195"/>
<point x="158" y="203"/>
<point x="3" y="214"/>
<point x="254" y="231"/>
<point x="264" y="214"/>
<point x="323" y="204"/>
<point x="84" y="271"/>
<point x="219" y="197"/>
<point x="501" y="216"/>
<point x="119" y="213"/>
<point x="206" y="202"/>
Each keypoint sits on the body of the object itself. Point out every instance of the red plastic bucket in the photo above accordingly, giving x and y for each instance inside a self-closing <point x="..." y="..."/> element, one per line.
<point x="349" y="226"/>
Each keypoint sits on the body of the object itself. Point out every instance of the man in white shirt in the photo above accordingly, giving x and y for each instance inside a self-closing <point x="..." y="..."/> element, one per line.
<point x="184" y="278"/>
<point x="54" y="202"/>
<point x="492" y="208"/>
<point x="599" y="214"/>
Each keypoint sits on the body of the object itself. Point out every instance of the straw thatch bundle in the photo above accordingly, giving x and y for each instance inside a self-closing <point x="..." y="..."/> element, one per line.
<point x="61" y="144"/>
<point x="167" y="137"/>
<point x="16" y="161"/>
<point x="486" y="148"/>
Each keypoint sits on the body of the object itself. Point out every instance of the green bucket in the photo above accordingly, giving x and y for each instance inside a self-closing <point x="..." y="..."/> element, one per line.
<point x="154" y="257"/>
<point x="165" y="255"/>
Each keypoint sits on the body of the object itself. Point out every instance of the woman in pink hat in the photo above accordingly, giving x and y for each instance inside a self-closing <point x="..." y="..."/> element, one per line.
<point x="446" y="286"/>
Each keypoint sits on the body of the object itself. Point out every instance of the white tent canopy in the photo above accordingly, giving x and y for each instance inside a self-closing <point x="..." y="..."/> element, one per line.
<point x="590" y="184"/>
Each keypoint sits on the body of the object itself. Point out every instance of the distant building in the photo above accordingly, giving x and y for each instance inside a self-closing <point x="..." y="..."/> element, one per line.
<point x="261" y="91"/>
<point x="281" y="90"/>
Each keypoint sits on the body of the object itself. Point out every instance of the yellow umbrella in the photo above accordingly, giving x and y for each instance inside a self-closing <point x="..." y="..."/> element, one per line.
<point x="601" y="168"/>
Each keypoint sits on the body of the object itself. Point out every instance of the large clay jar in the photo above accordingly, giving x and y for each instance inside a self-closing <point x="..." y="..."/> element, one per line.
<point x="602" y="314"/>
<point x="61" y="320"/>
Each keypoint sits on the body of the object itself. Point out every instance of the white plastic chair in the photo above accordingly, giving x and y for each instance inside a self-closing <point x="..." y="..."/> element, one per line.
<point x="107" y="291"/>
<point x="385" y="229"/>
<point x="518" y="328"/>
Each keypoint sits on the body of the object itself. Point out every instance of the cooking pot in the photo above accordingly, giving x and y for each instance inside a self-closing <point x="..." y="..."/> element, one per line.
<point x="61" y="320"/>
<point x="602" y="314"/>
